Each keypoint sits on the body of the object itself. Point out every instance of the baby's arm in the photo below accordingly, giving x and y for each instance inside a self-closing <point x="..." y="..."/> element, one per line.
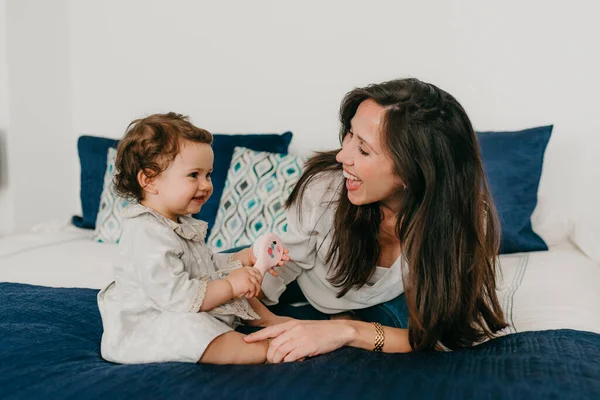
<point x="240" y="282"/>
<point x="217" y="292"/>
<point x="155" y="253"/>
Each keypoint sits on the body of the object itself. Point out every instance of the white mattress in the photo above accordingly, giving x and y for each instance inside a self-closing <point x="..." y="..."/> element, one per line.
<point x="65" y="258"/>
<point x="556" y="289"/>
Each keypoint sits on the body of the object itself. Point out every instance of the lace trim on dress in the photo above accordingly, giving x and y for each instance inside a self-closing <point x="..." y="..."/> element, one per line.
<point x="200" y="294"/>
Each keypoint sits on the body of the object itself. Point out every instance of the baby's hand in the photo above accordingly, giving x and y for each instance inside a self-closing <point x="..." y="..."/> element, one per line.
<point x="245" y="281"/>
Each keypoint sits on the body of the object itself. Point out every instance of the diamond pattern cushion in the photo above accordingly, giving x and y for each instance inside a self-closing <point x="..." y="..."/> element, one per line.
<point x="257" y="185"/>
<point x="92" y="154"/>
<point x="108" y="221"/>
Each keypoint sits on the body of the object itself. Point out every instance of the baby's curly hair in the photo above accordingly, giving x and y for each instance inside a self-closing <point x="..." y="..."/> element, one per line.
<point x="151" y="144"/>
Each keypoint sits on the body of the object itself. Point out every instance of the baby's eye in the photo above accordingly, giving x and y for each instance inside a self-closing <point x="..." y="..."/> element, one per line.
<point x="208" y="176"/>
<point x="193" y="175"/>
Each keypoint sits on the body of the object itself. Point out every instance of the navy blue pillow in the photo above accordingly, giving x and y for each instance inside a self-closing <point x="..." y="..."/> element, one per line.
<point x="93" y="152"/>
<point x="513" y="166"/>
<point x="92" y="159"/>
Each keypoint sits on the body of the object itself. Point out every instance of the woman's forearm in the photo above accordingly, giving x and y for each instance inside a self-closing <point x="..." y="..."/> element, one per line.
<point x="243" y="256"/>
<point x="263" y="312"/>
<point x="363" y="336"/>
<point x="266" y="316"/>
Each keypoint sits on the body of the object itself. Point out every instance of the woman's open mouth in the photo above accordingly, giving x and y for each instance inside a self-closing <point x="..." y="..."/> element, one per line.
<point x="352" y="182"/>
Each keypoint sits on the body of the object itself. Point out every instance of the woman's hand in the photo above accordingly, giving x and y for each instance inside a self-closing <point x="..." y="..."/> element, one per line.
<point x="295" y="340"/>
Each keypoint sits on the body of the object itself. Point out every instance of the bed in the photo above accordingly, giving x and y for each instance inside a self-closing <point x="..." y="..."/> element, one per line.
<point x="50" y="327"/>
<point x="50" y="333"/>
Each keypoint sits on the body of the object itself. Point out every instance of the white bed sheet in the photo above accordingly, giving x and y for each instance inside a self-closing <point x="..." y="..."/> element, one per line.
<point x="553" y="289"/>
<point x="65" y="258"/>
<point x="556" y="289"/>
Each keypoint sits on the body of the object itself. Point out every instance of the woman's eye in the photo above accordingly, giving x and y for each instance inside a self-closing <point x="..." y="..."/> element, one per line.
<point x="362" y="151"/>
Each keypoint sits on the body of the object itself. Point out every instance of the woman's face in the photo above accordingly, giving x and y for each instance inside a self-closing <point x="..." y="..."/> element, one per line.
<point x="368" y="169"/>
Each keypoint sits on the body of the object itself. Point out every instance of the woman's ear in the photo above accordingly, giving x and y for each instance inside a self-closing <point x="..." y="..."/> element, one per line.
<point x="147" y="183"/>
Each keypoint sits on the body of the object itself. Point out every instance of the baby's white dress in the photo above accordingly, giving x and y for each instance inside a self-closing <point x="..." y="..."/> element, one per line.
<point x="150" y="312"/>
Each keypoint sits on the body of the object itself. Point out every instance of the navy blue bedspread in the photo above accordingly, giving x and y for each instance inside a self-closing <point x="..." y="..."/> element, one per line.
<point x="49" y="348"/>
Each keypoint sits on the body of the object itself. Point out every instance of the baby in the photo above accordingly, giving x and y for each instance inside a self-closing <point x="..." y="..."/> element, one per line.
<point x="172" y="298"/>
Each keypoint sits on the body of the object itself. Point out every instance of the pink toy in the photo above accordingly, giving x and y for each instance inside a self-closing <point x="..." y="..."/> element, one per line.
<point x="268" y="250"/>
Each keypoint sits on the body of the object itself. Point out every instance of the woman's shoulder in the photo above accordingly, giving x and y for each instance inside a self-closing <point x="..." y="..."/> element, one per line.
<point x="323" y="189"/>
<point x="316" y="204"/>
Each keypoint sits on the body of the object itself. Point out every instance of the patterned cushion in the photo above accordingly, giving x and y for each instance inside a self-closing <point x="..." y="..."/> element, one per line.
<point x="92" y="154"/>
<point x="108" y="221"/>
<point x="257" y="185"/>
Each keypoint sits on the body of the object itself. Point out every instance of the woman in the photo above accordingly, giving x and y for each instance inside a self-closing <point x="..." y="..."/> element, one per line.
<point x="402" y="207"/>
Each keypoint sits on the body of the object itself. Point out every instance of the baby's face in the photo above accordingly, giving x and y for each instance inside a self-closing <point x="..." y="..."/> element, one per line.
<point x="186" y="184"/>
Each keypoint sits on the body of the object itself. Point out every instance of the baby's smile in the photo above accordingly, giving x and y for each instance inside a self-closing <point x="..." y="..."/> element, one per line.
<point x="199" y="199"/>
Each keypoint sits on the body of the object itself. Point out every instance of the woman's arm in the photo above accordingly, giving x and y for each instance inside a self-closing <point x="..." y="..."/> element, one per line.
<point x="267" y="318"/>
<point x="295" y="339"/>
<point x="363" y="337"/>
<point x="243" y="256"/>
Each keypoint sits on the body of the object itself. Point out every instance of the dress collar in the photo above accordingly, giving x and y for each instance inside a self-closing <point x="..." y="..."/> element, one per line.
<point x="188" y="228"/>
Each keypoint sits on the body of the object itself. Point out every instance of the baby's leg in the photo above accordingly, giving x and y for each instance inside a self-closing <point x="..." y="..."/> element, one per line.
<point x="230" y="348"/>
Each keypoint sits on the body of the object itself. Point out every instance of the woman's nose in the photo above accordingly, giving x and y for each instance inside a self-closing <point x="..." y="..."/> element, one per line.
<point x="343" y="156"/>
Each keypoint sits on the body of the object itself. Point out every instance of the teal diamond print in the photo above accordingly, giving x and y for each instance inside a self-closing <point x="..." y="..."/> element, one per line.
<point x="108" y="221"/>
<point x="257" y="186"/>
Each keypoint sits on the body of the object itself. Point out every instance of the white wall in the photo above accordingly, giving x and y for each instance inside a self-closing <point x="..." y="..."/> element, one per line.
<point x="42" y="161"/>
<point x="6" y="199"/>
<point x="242" y="66"/>
<point x="271" y="66"/>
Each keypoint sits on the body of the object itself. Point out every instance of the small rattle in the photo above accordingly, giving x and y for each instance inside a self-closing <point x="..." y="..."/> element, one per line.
<point x="268" y="251"/>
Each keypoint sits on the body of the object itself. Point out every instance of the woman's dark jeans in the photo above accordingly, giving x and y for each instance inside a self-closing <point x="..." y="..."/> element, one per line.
<point x="393" y="313"/>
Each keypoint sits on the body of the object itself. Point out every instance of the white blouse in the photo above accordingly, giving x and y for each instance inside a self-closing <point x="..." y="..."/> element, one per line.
<point x="151" y="312"/>
<point x="308" y="238"/>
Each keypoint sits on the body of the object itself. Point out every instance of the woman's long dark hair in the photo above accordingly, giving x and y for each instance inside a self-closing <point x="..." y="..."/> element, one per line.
<point x="447" y="225"/>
